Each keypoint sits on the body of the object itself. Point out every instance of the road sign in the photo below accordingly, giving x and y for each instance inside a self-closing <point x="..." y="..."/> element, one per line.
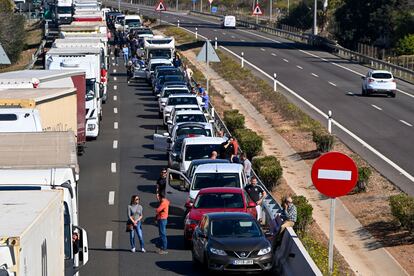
<point x="160" y="7"/>
<point x="4" y="59"/>
<point x="214" y="9"/>
<point x="334" y="174"/>
<point x="257" y="10"/>
<point x="210" y="1"/>
<point x="208" y="54"/>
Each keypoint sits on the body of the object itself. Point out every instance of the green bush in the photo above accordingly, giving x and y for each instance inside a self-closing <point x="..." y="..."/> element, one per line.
<point x="250" y="142"/>
<point x="304" y="212"/>
<point x="405" y="45"/>
<point x="6" y="6"/>
<point x="233" y="120"/>
<point x="12" y="34"/>
<point x="402" y="208"/>
<point x="268" y="169"/>
<point x="324" y="141"/>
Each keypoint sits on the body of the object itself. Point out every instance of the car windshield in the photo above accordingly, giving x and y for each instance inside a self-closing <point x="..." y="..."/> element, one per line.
<point x="219" y="201"/>
<point x="143" y="31"/>
<point x="64" y="10"/>
<point x="190" y="118"/>
<point x="133" y="22"/>
<point x="90" y="90"/>
<point x="235" y="228"/>
<point x="160" y="53"/>
<point x="381" y="76"/>
<point x="169" y="78"/>
<point x="186" y="131"/>
<point x="212" y="180"/>
<point x="182" y="100"/>
<point x="200" y="151"/>
<point x="153" y="66"/>
<point x="169" y="92"/>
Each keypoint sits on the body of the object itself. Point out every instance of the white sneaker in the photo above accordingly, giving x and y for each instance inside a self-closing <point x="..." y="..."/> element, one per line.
<point x="143" y="250"/>
<point x="133" y="249"/>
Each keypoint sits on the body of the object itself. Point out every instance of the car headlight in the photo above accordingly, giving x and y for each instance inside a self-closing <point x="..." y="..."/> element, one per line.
<point x="264" y="251"/>
<point x="218" y="251"/>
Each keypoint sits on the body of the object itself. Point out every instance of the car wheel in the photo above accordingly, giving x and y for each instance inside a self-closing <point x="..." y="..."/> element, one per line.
<point x="196" y="263"/>
<point x="187" y="243"/>
<point x="363" y="92"/>
<point x="392" y="94"/>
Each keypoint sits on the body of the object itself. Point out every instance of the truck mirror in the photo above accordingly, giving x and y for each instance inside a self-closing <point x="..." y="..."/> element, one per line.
<point x="83" y="246"/>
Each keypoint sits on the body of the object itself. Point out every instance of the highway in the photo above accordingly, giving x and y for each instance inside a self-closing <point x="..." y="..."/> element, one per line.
<point x="122" y="163"/>
<point x="385" y="125"/>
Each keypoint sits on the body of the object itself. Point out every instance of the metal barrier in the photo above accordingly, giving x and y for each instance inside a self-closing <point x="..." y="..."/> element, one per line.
<point x="35" y="56"/>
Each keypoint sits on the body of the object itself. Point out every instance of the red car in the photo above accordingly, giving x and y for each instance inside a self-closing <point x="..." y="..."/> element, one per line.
<point x="211" y="200"/>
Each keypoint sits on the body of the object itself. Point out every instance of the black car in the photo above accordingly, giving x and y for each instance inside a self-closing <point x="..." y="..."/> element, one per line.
<point x="231" y="242"/>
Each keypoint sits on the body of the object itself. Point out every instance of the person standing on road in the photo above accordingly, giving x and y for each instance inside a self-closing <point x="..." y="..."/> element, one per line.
<point x="162" y="217"/>
<point x="130" y="71"/>
<point x="189" y="73"/>
<point x="205" y="98"/>
<point x="257" y="194"/>
<point x="125" y="52"/>
<point x="247" y="165"/>
<point x="135" y="218"/>
<point x="162" y="182"/>
<point x="116" y="54"/>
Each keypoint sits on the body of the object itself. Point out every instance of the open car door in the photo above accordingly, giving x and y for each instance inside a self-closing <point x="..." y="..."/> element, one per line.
<point x="161" y="142"/>
<point x="176" y="191"/>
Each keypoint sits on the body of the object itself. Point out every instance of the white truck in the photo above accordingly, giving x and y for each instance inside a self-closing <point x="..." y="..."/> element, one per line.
<point x="31" y="233"/>
<point x="160" y="47"/>
<point x="91" y="60"/>
<point x="63" y="11"/>
<point x="45" y="161"/>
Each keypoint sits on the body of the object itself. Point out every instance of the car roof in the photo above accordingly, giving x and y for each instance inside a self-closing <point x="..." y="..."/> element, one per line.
<point x="189" y="112"/>
<point x="203" y="140"/>
<point x="221" y="190"/>
<point x="176" y="86"/>
<point x="160" y="60"/>
<point x="228" y="215"/>
<point x="380" y="71"/>
<point x="219" y="168"/>
<point x="209" y="161"/>
<point x="182" y="95"/>
<point x="193" y="124"/>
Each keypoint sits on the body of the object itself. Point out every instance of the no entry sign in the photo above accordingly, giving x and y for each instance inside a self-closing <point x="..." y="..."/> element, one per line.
<point x="334" y="174"/>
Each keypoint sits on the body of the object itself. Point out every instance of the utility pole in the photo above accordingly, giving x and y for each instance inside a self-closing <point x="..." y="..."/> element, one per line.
<point x="201" y="5"/>
<point x="315" y="14"/>
<point x="270" y="10"/>
<point x="176" y="5"/>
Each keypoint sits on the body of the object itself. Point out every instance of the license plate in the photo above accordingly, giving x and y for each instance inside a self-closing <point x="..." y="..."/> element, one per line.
<point x="243" y="262"/>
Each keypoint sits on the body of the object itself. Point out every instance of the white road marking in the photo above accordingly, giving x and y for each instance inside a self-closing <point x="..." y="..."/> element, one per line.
<point x="334" y="174"/>
<point x="215" y="30"/>
<point x="405" y="123"/>
<point x="331" y="83"/>
<point x="115" y="125"/>
<point x="300" y="67"/>
<point x="113" y="64"/>
<point x="224" y="33"/>
<point x="115" y="144"/>
<point x="374" y="106"/>
<point x="324" y="115"/>
<point x="111" y="198"/>
<point x="233" y="36"/>
<point x="285" y="60"/>
<point x="263" y="49"/>
<point x="113" y="58"/>
<point x="115" y="87"/>
<point x="242" y="40"/>
<point x="115" y="97"/>
<point x="350" y="93"/>
<point x="273" y="54"/>
<point x="114" y="70"/>
<point x="115" y="110"/>
<point x="108" y="240"/>
<point x="115" y="78"/>
<point x="113" y="167"/>
<point x="316" y="76"/>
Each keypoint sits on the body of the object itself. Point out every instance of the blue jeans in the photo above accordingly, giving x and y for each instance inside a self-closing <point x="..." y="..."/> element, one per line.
<point x="125" y="59"/>
<point x="137" y="229"/>
<point x="162" y="230"/>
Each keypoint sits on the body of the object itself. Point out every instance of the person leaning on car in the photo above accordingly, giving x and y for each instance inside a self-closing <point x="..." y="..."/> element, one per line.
<point x="289" y="214"/>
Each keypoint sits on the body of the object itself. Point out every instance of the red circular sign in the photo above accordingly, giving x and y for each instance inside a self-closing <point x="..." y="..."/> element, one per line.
<point x="334" y="174"/>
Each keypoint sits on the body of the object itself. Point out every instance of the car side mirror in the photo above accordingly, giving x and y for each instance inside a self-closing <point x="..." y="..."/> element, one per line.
<point x="251" y="204"/>
<point x="363" y="77"/>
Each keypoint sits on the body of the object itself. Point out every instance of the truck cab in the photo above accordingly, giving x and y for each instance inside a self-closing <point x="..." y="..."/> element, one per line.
<point x="64" y="12"/>
<point x="159" y="46"/>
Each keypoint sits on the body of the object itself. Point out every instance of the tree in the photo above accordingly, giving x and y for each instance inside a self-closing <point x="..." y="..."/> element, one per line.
<point x="12" y="34"/>
<point x="405" y="46"/>
<point x="6" y="6"/>
<point x="300" y="16"/>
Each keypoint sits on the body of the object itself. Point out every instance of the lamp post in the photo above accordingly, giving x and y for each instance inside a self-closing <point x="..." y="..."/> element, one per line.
<point x="315" y="14"/>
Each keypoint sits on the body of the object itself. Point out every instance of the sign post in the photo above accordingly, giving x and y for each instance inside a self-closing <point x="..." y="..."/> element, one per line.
<point x="257" y="11"/>
<point x="208" y="54"/>
<point x="210" y="1"/>
<point x="334" y="174"/>
<point x="160" y="8"/>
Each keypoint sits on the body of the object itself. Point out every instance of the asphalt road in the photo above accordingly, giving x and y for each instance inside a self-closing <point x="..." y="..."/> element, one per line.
<point x="129" y="147"/>
<point x="329" y="83"/>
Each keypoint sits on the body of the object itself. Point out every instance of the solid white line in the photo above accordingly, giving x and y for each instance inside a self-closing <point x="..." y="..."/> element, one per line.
<point x="115" y="87"/>
<point x="262" y="49"/>
<point x="115" y="97"/>
<point x="115" y="78"/>
<point x="111" y="198"/>
<point x="115" y="125"/>
<point x="405" y="123"/>
<point x="334" y="174"/>
<point x="113" y="167"/>
<point x="115" y="144"/>
<point x="114" y="70"/>
<point x="285" y="60"/>
<point x="313" y="74"/>
<point x="320" y="112"/>
<point x="113" y="64"/>
<point x="331" y="83"/>
<point x="108" y="240"/>
<point x="273" y="54"/>
<point x="300" y="67"/>
<point x="115" y="110"/>
<point x="374" y="106"/>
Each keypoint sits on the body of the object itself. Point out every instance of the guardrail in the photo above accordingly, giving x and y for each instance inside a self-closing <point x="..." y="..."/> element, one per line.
<point x="398" y="71"/>
<point x="36" y="54"/>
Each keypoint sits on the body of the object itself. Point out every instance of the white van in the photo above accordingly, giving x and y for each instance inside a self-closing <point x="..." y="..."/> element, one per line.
<point x="132" y="21"/>
<point x="20" y="120"/>
<point x="229" y="21"/>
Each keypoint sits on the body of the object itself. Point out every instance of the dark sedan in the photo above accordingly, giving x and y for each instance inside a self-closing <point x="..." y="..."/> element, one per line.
<point x="231" y="242"/>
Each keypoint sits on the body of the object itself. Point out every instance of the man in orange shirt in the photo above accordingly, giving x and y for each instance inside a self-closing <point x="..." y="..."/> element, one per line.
<point x="161" y="217"/>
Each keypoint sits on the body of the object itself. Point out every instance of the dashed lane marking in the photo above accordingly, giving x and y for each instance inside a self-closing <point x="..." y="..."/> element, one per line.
<point x="111" y="198"/>
<point x="115" y="97"/>
<point x="115" y="87"/>
<point x="285" y="60"/>
<point x="376" y="107"/>
<point x="115" y="125"/>
<point x="115" y="144"/>
<point x="115" y="110"/>
<point x="115" y="78"/>
<point x="316" y="76"/>
<point x="405" y="123"/>
<point x="263" y="49"/>
<point x="331" y="83"/>
<point x="300" y="67"/>
<point x="114" y="70"/>
<point x="273" y="54"/>
<point x="108" y="240"/>
<point x="113" y="167"/>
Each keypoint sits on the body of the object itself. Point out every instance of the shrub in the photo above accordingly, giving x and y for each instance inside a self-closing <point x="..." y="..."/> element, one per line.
<point x="304" y="212"/>
<point x="364" y="174"/>
<point x="233" y="120"/>
<point x="405" y="45"/>
<point x="6" y="6"/>
<point x="250" y="142"/>
<point x="12" y="35"/>
<point x="402" y="208"/>
<point x="268" y="169"/>
<point x="324" y="142"/>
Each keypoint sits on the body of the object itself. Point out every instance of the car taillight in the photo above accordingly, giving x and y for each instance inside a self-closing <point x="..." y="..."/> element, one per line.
<point x="393" y="80"/>
<point x="370" y="80"/>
